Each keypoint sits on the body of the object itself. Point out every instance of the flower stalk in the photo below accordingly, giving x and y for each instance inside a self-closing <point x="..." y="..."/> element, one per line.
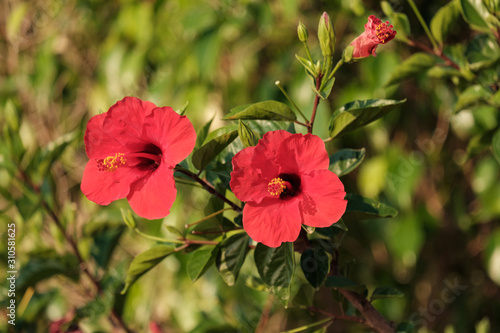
<point x="208" y="187"/>
<point x="424" y="25"/>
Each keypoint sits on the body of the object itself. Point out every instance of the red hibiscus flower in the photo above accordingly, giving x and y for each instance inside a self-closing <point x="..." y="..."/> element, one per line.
<point x="133" y="149"/>
<point x="376" y="32"/>
<point x="286" y="182"/>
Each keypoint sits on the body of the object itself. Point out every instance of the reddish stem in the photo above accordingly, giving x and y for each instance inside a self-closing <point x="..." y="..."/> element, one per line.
<point x="340" y="317"/>
<point x="207" y="186"/>
<point x="439" y="53"/>
<point x="316" y="103"/>
<point x="373" y="318"/>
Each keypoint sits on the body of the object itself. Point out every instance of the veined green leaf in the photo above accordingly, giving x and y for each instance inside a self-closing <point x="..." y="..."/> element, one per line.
<point x="477" y="15"/>
<point x="416" y="64"/>
<point x="275" y="265"/>
<point x="443" y="21"/>
<point x="346" y="160"/>
<point x="310" y="67"/>
<point x="356" y="114"/>
<point x="398" y="20"/>
<point x="268" y="110"/>
<point x="315" y="264"/>
<point x="200" y="261"/>
<point x="472" y="95"/>
<point x="385" y="292"/>
<point x="143" y="262"/>
<point x="202" y="133"/>
<point x="368" y="208"/>
<point x="211" y="149"/>
<point x="231" y="257"/>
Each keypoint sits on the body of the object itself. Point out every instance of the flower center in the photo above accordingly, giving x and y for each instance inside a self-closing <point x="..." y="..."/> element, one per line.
<point x="383" y="31"/>
<point x="276" y="186"/>
<point x="111" y="163"/>
<point x="285" y="186"/>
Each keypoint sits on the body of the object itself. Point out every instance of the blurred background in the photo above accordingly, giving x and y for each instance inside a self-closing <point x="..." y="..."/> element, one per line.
<point x="64" y="61"/>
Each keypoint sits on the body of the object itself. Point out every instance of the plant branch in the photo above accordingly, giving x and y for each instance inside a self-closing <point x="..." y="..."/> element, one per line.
<point x="115" y="318"/>
<point x="208" y="187"/>
<point x="340" y="317"/>
<point x="207" y="217"/>
<point x="316" y="102"/>
<point x="440" y="54"/>
<point x="266" y="313"/>
<point x="373" y="318"/>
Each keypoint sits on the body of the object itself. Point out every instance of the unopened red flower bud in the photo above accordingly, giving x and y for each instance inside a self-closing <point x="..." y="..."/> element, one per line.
<point x="302" y="32"/>
<point x="326" y="35"/>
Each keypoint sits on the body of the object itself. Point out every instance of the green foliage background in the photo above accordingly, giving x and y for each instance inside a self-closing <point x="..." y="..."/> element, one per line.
<point x="63" y="61"/>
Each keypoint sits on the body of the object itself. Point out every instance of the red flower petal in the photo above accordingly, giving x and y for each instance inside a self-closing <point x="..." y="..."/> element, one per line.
<point x="247" y="182"/>
<point x="273" y="221"/>
<point x="376" y="32"/>
<point x="116" y="130"/>
<point x="103" y="187"/>
<point x="268" y="146"/>
<point x="128" y="115"/>
<point x="152" y="196"/>
<point x="173" y="133"/>
<point x="322" y="199"/>
<point x="302" y="153"/>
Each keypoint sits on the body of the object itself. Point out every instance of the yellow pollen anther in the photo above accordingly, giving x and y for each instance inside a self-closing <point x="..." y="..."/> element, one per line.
<point x="276" y="186"/>
<point x="111" y="163"/>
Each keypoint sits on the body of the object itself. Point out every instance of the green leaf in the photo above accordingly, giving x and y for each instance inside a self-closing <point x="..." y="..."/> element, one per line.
<point x="440" y="72"/>
<point x="444" y="20"/>
<point x="315" y="264"/>
<point x="210" y="150"/>
<point x="255" y="283"/>
<point x="202" y="133"/>
<point x="473" y="95"/>
<point x="483" y="52"/>
<point x="341" y="282"/>
<point x="41" y="266"/>
<point x="128" y="218"/>
<point x="231" y="257"/>
<point x="45" y="157"/>
<point x="247" y="135"/>
<point x="27" y="206"/>
<point x="398" y="20"/>
<point x="495" y="145"/>
<point x="477" y="15"/>
<point x="385" y="292"/>
<point x="415" y="64"/>
<point x="183" y="109"/>
<point x="340" y="225"/>
<point x="346" y="160"/>
<point x="368" y="208"/>
<point x="275" y="265"/>
<point x="105" y="238"/>
<point x="175" y="231"/>
<point x="143" y="262"/>
<point x="479" y="143"/>
<point x="200" y="261"/>
<point x="405" y="328"/>
<point x="310" y="68"/>
<point x="326" y="90"/>
<point x="356" y="114"/>
<point x="268" y="110"/>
